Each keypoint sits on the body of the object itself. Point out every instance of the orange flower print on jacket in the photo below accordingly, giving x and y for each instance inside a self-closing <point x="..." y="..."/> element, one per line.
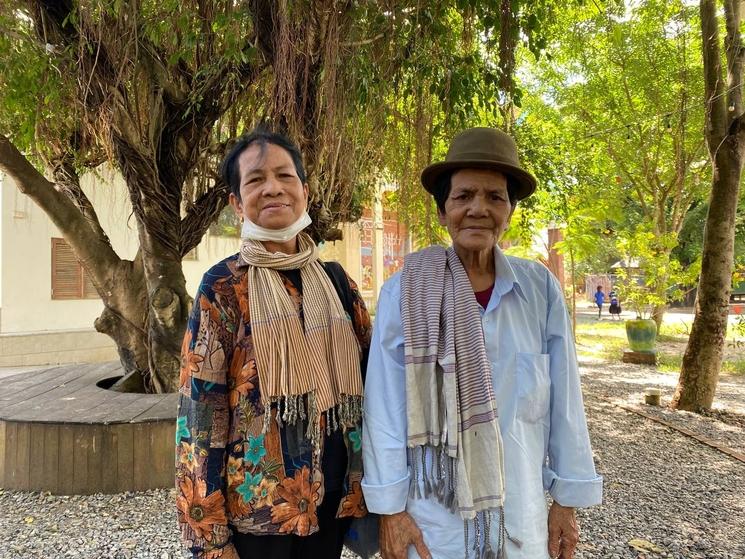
<point x="188" y="455"/>
<point x="266" y="493"/>
<point x="298" y="514"/>
<point x="199" y="511"/>
<point x="353" y="504"/>
<point x="237" y="507"/>
<point x="234" y="471"/>
<point x="242" y="372"/>
<point x="189" y="360"/>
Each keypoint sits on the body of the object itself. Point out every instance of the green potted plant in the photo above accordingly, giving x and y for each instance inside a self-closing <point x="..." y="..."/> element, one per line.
<point x="642" y="331"/>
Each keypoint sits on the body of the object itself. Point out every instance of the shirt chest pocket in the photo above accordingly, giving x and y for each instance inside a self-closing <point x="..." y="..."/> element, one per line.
<point x="533" y="386"/>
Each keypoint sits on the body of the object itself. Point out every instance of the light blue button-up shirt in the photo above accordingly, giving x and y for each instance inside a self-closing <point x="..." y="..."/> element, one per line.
<point x="541" y="415"/>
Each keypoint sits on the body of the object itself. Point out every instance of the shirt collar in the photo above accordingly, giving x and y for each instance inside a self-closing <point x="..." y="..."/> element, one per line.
<point x="505" y="279"/>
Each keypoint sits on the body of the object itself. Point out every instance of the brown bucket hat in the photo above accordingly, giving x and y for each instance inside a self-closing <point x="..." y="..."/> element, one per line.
<point x="482" y="148"/>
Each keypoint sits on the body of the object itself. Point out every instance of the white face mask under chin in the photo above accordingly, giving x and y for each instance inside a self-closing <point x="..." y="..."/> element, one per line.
<point x="257" y="233"/>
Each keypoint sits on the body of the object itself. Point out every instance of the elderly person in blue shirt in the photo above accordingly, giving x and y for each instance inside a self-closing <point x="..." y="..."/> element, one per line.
<point x="473" y="405"/>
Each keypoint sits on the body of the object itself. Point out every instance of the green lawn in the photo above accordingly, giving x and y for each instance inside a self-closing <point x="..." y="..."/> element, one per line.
<point x="606" y="340"/>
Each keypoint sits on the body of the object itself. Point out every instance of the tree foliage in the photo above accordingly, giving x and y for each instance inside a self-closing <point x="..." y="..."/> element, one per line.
<point x="158" y="89"/>
<point x="624" y="90"/>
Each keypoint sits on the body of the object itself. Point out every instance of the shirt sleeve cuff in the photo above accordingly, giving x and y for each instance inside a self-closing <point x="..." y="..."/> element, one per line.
<point x="386" y="499"/>
<point x="573" y="492"/>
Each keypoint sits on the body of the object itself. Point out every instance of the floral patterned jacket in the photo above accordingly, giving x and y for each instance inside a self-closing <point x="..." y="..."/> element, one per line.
<point x="227" y="471"/>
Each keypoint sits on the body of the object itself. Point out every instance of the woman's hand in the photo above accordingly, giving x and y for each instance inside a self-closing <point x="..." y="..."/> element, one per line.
<point x="563" y="533"/>
<point x="397" y="532"/>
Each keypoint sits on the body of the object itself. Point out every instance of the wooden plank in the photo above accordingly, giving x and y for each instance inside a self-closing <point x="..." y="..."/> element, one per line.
<point x="81" y="449"/>
<point x="37" y="465"/>
<point x="23" y="455"/>
<point x="125" y="456"/>
<point x="163" y="454"/>
<point x="52" y="392"/>
<point x="95" y="460"/>
<point x="128" y="412"/>
<point x="2" y="453"/>
<point x="50" y="457"/>
<point x="166" y="409"/>
<point x="67" y="409"/>
<point x="23" y="381"/>
<point x="142" y="454"/>
<point x="65" y="483"/>
<point x="109" y="457"/>
<point x="10" y="455"/>
<point x="99" y="413"/>
<point x="40" y="394"/>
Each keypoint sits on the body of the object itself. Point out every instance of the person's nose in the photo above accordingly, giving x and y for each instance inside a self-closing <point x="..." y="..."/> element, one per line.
<point x="478" y="207"/>
<point x="272" y="186"/>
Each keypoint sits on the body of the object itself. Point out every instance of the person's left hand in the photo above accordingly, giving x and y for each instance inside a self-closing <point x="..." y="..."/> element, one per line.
<point x="563" y="533"/>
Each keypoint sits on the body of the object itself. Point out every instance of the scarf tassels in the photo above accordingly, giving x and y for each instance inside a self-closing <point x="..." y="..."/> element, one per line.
<point x="309" y="369"/>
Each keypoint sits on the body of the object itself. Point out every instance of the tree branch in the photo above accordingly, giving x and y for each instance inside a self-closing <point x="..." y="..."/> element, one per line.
<point x="734" y="52"/>
<point x="87" y="238"/>
<point x="362" y="42"/>
<point x="200" y="216"/>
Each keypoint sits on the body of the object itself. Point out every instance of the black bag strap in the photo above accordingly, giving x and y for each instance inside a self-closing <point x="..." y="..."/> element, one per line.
<point x="338" y="277"/>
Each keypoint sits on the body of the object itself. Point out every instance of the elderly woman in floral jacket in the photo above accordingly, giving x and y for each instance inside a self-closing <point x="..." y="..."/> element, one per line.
<point x="268" y="432"/>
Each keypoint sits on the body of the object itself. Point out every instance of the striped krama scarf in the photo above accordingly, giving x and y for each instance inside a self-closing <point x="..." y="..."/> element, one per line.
<point x="317" y="362"/>
<point x="450" y="402"/>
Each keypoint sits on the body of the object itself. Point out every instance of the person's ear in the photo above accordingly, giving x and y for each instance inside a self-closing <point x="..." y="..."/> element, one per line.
<point x="234" y="201"/>
<point x="442" y="218"/>
<point x="512" y="211"/>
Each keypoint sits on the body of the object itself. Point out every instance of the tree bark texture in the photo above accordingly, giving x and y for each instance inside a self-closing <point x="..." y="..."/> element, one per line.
<point x="703" y="356"/>
<point x="158" y="121"/>
<point x="120" y="283"/>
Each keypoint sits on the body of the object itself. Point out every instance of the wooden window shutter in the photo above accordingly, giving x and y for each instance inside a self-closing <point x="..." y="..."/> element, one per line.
<point x="69" y="279"/>
<point x="89" y="289"/>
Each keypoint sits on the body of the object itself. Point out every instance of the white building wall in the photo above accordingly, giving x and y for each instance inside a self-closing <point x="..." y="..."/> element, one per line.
<point x="28" y="314"/>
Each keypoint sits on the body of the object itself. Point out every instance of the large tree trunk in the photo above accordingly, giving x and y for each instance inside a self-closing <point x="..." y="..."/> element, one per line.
<point x="167" y="315"/>
<point x="120" y="283"/>
<point x="702" y="360"/>
<point x="123" y="320"/>
<point x="703" y="356"/>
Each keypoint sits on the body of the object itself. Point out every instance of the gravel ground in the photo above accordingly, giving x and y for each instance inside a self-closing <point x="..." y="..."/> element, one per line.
<point x="660" y="486"/>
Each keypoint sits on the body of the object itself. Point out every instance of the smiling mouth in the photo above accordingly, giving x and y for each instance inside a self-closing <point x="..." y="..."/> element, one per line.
<point x="276" y="206"/>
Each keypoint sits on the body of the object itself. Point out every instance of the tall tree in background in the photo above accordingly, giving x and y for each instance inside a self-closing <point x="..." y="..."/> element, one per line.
<point x="725" y="137"/>
<point x="629" y="87"/>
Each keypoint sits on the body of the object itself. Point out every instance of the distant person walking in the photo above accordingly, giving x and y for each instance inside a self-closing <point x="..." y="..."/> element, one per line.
<point x="615" y="305"/>
<point x="599" y="300"/>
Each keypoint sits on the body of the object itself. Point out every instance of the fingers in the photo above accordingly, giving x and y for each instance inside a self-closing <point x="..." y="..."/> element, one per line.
<point x="569" y="544"/>
<point x="554" y="540"/>
<point x="421" y="548"/>
<point x="397" y="532"/>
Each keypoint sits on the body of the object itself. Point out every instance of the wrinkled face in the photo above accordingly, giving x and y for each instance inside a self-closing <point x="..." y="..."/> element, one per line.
<point x="478" y="209"/>
<point x="272" y="195"/>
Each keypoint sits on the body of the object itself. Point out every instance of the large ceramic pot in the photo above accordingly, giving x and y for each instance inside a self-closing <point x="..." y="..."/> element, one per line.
<point x="642" y="334"/>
